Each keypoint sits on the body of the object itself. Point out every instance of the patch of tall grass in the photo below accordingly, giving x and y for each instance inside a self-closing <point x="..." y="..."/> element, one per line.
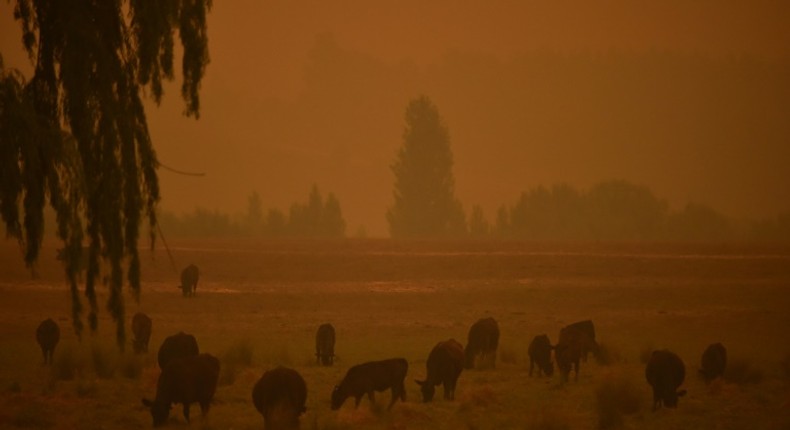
<point x="237" y="356"/>
<point x="741" y="371"/>
<point x="615" y="397"/>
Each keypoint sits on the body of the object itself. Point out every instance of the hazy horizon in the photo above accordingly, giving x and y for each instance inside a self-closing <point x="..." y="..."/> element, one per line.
<point x="691" y="100"/>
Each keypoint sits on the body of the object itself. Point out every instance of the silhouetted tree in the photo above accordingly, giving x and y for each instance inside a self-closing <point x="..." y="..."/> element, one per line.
<point x="316" y="218"/>
<point x="332" y="222"/>
<point x="425" y="203"/>
<point x="76" y="137"/>
<point x="478" y="225"/>
<point x="254" y="216"/>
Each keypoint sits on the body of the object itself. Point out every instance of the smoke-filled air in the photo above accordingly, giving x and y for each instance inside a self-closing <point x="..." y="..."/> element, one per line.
<point x="394" y="215"/>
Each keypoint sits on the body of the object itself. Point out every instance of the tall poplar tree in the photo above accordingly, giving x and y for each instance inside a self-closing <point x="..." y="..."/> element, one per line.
<point x="75" y="135"/>
<point x="425" y="203"/>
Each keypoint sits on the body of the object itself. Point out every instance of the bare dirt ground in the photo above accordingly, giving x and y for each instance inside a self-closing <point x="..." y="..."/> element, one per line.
<point x="397" y="299"/>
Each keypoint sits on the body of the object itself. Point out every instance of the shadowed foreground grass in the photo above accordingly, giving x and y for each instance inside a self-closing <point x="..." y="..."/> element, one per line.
<point x="258" y="305"/>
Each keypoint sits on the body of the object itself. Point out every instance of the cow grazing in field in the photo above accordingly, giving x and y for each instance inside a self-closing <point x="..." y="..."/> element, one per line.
<point x="587" y="328"/>
<point x="665" y="372"/>
<point x="540" y="354"/>
<point x="325" y="344"/>
<point x="141" y="329"/>
<point x="179" y="345"/>
<point x="47" y="336"/>
<point x="444" y="365"/>
<point x="372" y="376"/>
<point x="184" y="380"/>
<point x="483" y="340"/>
<point x="280" y="396"/>
<point x="189" y="280"/>
<point x="714" y="362"/>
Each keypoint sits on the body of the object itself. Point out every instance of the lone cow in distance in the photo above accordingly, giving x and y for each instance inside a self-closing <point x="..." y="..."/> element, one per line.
<point x="280" y="396"/>
<point x="325" y="344"/>
<point x="483" y="341"/>
<point x="444" y="366"/>
<point x="47" y="336"/>
<point x="189" y="280"/>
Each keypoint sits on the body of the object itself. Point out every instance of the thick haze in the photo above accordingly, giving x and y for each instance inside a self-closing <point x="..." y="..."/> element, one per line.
<point x="690" y="98"/>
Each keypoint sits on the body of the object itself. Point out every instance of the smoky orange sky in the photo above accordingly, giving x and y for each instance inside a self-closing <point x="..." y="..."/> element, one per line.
<point x="690" y="98"/>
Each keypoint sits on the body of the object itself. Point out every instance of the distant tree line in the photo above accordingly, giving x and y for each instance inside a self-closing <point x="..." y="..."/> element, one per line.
<point x="318" y="217"/>
<point x="616" y="211"/>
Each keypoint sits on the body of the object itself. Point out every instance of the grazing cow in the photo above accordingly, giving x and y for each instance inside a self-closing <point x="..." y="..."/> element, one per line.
<point x="141" y="329"/>
<point x="665" y="372"/>
<point x="372" y="376"/>
<point x="588" y="340"/>
<point x="325" y="344"/>
<point x="189" y="280"/>
<point x="540" y="354"/>
<point x="483" y="340"/>
<point x="178" y="345"/>
<point x="280" y="396"/>
<point x="714" y="361"/>
<point x="444" y="365"/>
<point x="185" y="380"/>
<point x="47" y="336"/>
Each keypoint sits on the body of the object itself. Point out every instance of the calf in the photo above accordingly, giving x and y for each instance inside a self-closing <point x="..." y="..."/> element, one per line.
<point x="178" y="345"/>
<point x="714" y="361"/>
<point x="47" y="336"/>
<point x="372" y="376"/>
<point x="665" y="372"/>
<point x="280" y="395"/>
<point x="185" y="380"/>
<point x="540" y="354"/>
<point x="189" y="280"/>
<point x="325" y="344"/>
<point x="444" y="366"/>
<point x="483" y="340"/>
<point x="141" y="329"/>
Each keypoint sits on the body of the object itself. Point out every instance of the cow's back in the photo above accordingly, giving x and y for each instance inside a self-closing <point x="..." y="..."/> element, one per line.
<point x="665" y="372"/>
<point x="280" y="396"/>
<point x="189" y="379"/>
<point x="445" y="360"/>
<point x="179" y="345"/>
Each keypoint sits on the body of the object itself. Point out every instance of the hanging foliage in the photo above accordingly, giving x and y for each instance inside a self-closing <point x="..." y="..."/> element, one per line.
<point x="75" y="135"/>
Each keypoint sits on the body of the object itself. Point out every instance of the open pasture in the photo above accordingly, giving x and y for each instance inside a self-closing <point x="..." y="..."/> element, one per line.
<point x="259" y="303"/>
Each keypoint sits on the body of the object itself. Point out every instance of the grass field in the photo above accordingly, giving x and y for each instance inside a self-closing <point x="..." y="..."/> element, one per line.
<point x="259" y="304"/>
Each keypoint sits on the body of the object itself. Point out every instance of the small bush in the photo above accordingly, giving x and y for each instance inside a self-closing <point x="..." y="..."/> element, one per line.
<point x="548" y="420"/>
<point x="508" y="356"/>
<point x="614" y="397"/>
<point x="66" y="365"/>
<point x="645" y="353"/>
<point x="235" y="357"/>
<point x="131" y="366"/>
<point x="740" y="371"/>
<point x="86" y="388"/>
<point x="785" y="365"/>
<point x="33" y="415"/>
<point x="104" y="360"/>
<point x="239" y="353"/>
<point x="606" y="355"/>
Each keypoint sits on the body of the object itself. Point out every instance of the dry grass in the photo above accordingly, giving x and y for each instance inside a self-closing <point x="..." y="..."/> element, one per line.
<point x="741" y="371"/>
<point x="616" y="396"/>
<point x="260" y="302"/>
